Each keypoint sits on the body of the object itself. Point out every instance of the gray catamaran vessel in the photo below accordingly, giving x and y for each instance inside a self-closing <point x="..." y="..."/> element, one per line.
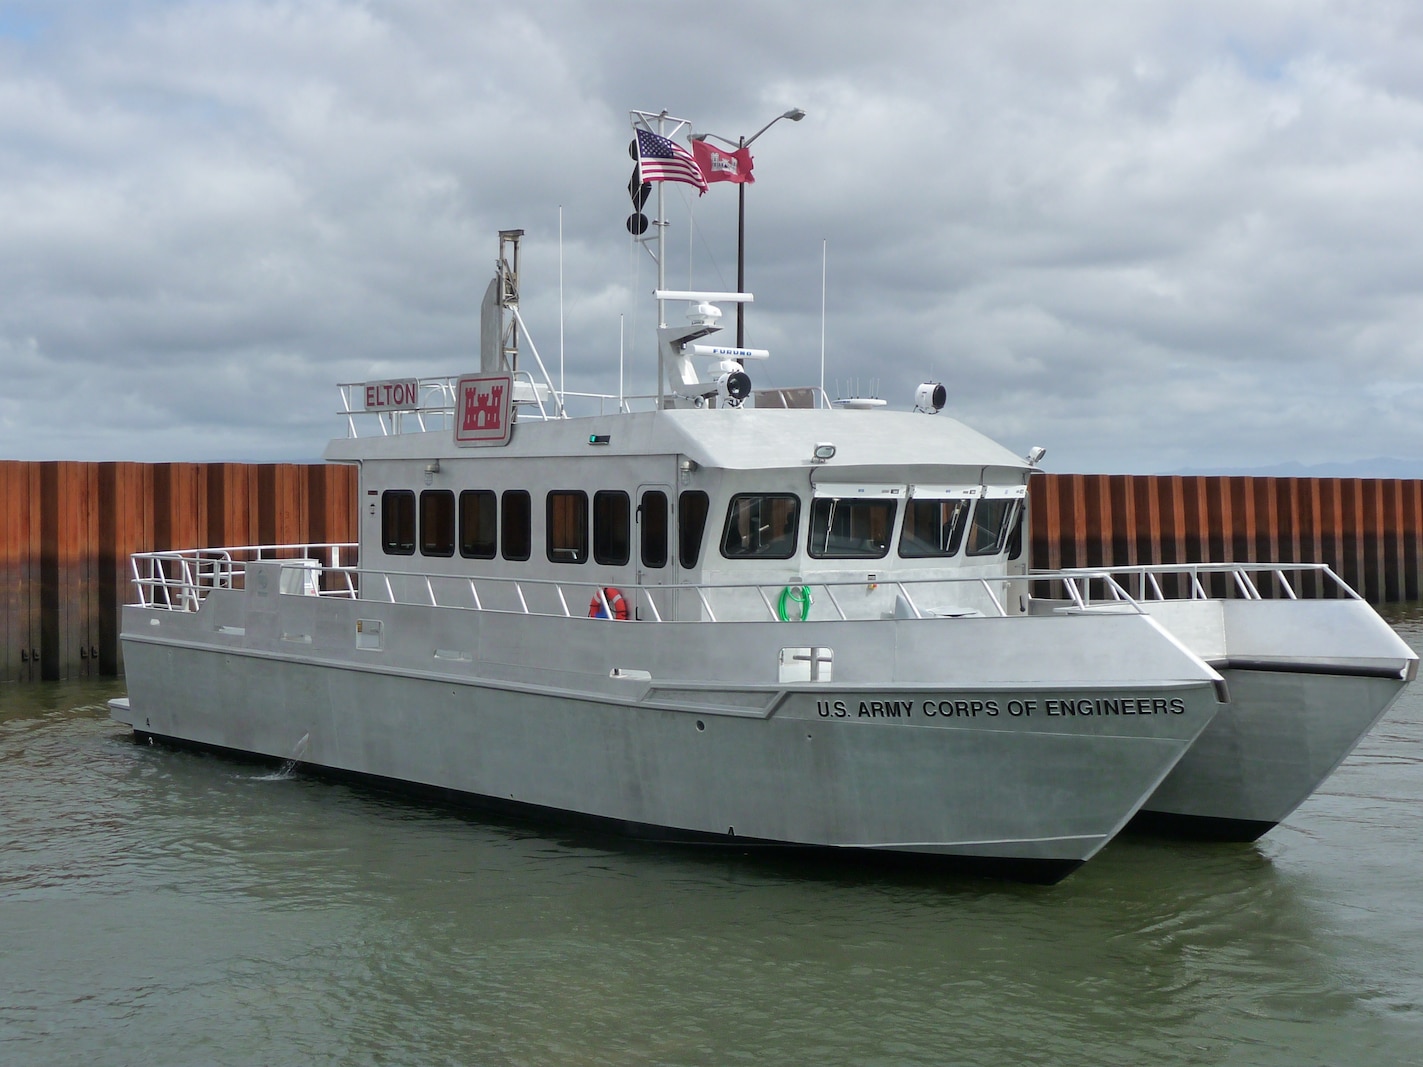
<point x="737" y="619"/>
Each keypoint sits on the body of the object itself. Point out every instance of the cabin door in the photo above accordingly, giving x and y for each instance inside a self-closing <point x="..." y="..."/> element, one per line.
<point x="656" y="562"/>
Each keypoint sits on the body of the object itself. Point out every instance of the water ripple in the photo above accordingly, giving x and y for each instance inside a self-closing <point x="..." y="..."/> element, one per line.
<point x="165" y="907"/>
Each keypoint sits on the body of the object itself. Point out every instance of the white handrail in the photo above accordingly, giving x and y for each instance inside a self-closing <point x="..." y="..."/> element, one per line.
<point x="180" y="580"/>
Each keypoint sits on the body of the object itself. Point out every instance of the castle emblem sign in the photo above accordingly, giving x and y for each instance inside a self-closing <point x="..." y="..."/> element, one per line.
<point x="484" y="410"/>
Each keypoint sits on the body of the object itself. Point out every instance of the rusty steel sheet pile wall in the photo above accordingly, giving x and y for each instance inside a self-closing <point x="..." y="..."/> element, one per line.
<point x="1369" y="530"/>
<point x="67" y="530"/>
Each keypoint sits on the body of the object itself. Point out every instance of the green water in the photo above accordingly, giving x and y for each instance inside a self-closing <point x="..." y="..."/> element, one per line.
<point x="169" y="908"/>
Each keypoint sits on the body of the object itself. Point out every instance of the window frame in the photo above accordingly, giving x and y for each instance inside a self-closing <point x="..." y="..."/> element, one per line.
<point x="957" y="531"/>
<point x="446" y="522"/>
<point x="466" y="543"/>
<point x="397" y="508"/>
<point x="1005" y="527"/>
<point x="660" y="536"/>
<point x="831" y="504"/>
<point x="577" y="552"/>
<point x="612" y="498"/>
<point x="693" y="510"/>
<point x="516" y="525"/>
<point x="792" y="543"/>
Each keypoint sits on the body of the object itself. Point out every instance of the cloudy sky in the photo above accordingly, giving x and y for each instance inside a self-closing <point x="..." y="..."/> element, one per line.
<point x="1149" y="236"/>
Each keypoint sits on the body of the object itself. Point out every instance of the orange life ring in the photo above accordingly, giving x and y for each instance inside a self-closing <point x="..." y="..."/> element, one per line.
<point x="615" y="602"/>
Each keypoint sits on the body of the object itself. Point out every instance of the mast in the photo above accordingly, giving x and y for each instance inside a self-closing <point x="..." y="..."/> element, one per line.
<point x="678" y="383"/>
<point x="664" y="125"/>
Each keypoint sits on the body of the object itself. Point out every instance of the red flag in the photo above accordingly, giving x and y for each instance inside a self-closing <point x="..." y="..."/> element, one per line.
<point x="723" y="164"/>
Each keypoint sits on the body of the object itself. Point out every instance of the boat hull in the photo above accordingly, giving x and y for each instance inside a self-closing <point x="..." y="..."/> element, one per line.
<point x="1307" y="680"/>
<point x="927" y="747"/>
<point x="1277" y="741"/>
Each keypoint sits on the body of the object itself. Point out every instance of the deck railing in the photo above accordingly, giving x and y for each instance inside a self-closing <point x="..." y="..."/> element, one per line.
<point x="1142" y="584"/>
<point x="181" y="580"/>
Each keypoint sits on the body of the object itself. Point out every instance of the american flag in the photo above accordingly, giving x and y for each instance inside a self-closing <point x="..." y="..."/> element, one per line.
<point x="661" y="160"/>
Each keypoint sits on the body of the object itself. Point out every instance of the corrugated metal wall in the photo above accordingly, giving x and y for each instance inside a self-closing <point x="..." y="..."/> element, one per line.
<point x="1367" y="529"/>
<point x="67" y="529"/>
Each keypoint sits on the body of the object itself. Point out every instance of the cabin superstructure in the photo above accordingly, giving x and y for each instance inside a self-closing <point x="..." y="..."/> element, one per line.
<point x="674" y="497"/>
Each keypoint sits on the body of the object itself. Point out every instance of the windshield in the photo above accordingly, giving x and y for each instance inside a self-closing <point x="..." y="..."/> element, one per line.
<point x="761" y="526"/>
<point x="851" y="529"/>
<point x="933" y="526"/>
<point x="993" y="520"/>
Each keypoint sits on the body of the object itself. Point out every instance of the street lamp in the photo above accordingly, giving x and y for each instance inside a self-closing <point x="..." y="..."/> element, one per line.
<point x="795" y="114"/>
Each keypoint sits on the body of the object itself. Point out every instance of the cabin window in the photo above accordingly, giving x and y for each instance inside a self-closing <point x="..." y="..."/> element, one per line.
<point x="612" y="528"/>
<point x="1015" y="539"/>
<point x="992" y="523"/>
<point x="516" y="523"/>
<point x="933" y="527"/>
<point x="761" y="526"/>
<point x="652" y="517"/>
<point x="397" y="522"/>
<point x="479" y="523"/>
<point x="842" y="528"/>
<point x="692" y="509"/>
<point x="567" y="526"/>
<point x="437" y="522"/>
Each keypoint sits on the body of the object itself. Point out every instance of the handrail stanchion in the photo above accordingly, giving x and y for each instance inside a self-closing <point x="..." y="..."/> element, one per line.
<point x="1198" y="591"/>
<point x="702" y="596"/>
<point x="834" y="600"/>
<point x="1247" y="587"/>
<point x="1285" y="585"/>
<point x="988" y="588"/>
<point x="767" y="601"/>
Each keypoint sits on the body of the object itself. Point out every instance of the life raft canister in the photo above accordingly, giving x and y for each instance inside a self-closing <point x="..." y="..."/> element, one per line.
<point x="615" y="602"/>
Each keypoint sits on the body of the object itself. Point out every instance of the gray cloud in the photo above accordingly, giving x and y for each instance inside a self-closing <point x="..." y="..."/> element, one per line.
<point x="1147" y="236"/>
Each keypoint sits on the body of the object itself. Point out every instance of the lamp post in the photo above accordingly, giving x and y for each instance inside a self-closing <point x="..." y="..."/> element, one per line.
<point x="795" y="114"/>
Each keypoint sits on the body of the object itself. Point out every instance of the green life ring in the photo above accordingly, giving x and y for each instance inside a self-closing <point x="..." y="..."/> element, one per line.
<point x="794" y="594"/>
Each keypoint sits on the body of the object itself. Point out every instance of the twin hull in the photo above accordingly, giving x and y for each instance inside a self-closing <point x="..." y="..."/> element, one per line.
<point x="1014" y="739"/>
<point x="1307" y="680"/>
